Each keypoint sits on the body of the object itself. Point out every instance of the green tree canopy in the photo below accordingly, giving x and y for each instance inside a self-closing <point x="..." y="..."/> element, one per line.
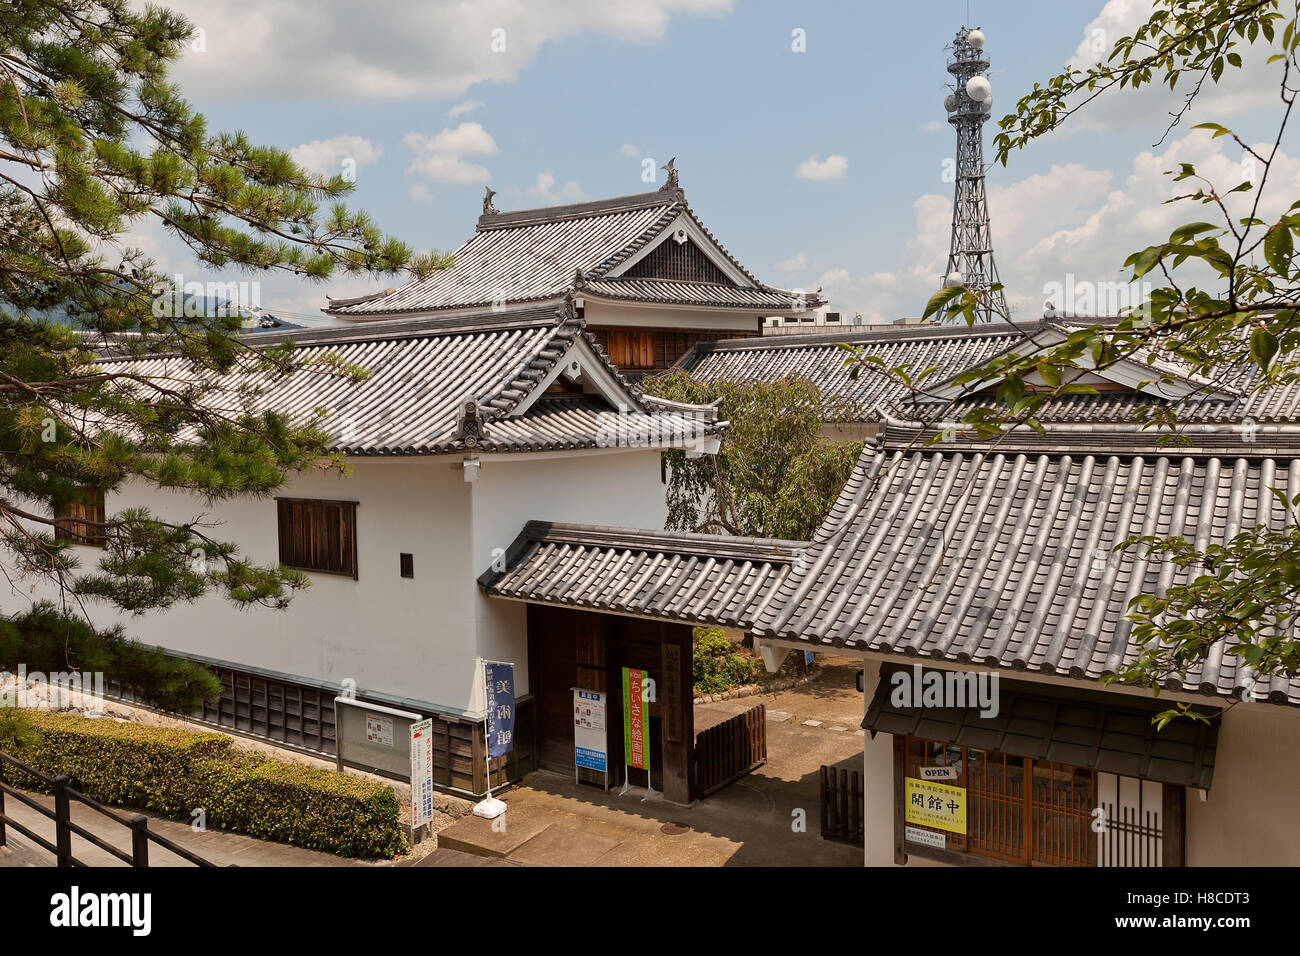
<point x="774" y="476"/>
<point x="97" y="142"/>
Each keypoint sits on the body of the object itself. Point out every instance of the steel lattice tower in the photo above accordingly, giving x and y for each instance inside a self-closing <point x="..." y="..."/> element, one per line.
<point x="970" y="255"/>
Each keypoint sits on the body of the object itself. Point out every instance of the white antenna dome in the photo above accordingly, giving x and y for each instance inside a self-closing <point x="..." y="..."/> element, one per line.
<point x="976" y="39"/>
<point x="950" y="102"/>
<point x="978" y="89"/>
<point x="987" y="105"/>
<point x="953" y="278"/>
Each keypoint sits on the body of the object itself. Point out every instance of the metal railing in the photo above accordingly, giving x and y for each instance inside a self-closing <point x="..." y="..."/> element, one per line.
<point x="64" y="827"/>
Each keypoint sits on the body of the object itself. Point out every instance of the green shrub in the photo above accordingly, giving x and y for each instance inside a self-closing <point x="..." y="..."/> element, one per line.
<point x="173" y="772"/>
<point x="718" y="665"/>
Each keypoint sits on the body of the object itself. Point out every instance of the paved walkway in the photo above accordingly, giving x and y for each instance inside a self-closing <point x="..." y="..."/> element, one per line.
<point x="753" y="822"/>
<point x="218" y="846"/>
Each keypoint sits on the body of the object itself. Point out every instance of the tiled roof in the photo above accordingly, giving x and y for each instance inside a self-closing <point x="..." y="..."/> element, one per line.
<point x="1003" y="560"/>
<point x="955" y="349"/>
<point x="534" y="255"/>
<point x="422" y="372"/>
<point x="696" y="578"/>
<point x="815" y="356"/>
<point x="695" y="293"/>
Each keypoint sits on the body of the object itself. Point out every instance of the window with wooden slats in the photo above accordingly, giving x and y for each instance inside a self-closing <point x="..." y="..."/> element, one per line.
<point x="1018" y="810"/>
<point x="318" y="535"/>
<point x="81" y="518"/>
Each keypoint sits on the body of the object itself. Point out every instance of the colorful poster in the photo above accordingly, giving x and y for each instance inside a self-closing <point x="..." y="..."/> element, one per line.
<point x="500" y="707"/>
<point x="937" y="805"/>
<point x="589" y="748"/>
<point x="421" y="772"/>
<point x="379" y="730"/>
<point x="635" y="751"/>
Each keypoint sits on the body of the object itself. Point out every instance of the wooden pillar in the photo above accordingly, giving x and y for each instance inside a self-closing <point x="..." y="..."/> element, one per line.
<point x="900" y="798"/>
<point x="677" y="708"/>
<point x="1173" y="850"/>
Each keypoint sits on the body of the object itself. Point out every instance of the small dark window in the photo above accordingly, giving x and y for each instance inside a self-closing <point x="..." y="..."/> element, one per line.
<point x="81" y="518"/>
<point x="318" y="535"/>
<point x="408" y="564"/>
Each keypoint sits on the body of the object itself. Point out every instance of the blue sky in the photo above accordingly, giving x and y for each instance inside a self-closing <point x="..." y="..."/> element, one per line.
<point x="415" y="95"/>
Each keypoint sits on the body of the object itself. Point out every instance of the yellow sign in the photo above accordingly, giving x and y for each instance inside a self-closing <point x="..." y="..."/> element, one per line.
<point x="937" y="805"/>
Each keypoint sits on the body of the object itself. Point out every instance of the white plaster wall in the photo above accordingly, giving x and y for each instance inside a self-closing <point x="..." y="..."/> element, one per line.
<point x="668" y="317"/>
<point x="389" y="634"/>
<point x="1251" y="814"/>
<point x="417" y="638"/>
<point x="621" y="489"/>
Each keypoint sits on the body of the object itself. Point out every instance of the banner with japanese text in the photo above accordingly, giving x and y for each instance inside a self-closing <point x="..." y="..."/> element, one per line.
<point x="635" y="751"/>
<point x="500" y="679"/>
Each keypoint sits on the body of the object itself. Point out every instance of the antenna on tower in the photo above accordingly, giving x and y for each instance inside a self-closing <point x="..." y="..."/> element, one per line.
<point x="970" y="254"/>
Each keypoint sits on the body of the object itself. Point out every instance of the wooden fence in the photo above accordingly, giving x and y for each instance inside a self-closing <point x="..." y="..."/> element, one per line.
<point x="842" y="806"/>
<point x="729" y="750"/>
<point x="64" y="829"/>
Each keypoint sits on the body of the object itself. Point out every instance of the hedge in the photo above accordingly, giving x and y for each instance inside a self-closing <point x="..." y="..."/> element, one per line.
<point x="173" y="772"/>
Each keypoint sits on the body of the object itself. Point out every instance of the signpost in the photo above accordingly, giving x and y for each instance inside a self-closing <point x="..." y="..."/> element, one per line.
<point x="499" y="704"/>
<point x="421" y="774"/>
<point x="590" y="748"/>
<point x="636" y="750"/>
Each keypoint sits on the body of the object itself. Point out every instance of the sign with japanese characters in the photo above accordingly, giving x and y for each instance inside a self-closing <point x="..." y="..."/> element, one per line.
<point x="589" y="749"/>
<point x="930" y="804"/>
<point x="421" y="772"/>
<point x="500" y="680"/>
<point x="635" y="751"/>
<point x="928" y="837"/>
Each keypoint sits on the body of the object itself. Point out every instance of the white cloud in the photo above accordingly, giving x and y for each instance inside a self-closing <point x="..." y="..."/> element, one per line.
<point x="460" y="109"/>
<point x="442" y="157"/>
<point x="933" y="126"/>
<point x="1069" y="225"/>
<point x="419" y="192"/>
<point x="796" y="263"/>
<point x="829" y="170"/>
<point x="543" y="188"/>
<point x="328" y="156"/>
<point x="331" y="50"/>
<point x="630" y="150"/>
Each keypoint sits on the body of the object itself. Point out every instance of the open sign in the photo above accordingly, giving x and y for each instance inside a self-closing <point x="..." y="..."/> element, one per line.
<point x="939" y="773"/>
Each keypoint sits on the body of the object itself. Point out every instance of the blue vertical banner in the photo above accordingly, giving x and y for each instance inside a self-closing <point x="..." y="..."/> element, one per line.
<point x="500" y="679"/>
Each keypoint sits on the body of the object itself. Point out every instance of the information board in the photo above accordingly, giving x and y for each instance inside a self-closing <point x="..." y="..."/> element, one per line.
<point x="589" y="731"/>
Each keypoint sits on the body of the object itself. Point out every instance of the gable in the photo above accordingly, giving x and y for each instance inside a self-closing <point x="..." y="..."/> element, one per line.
<point x="680" y="261"/>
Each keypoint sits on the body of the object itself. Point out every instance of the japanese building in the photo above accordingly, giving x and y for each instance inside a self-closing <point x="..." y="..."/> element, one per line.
<point x="949" y="559"/>
<point x="647" y="276"/>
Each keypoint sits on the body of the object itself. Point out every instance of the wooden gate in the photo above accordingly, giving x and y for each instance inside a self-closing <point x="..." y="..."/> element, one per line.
<point x="729" y="750"/>
<point x="842" y="806"/>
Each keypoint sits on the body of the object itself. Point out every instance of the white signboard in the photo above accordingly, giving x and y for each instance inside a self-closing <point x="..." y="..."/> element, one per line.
<point x="589" y="730"/>
<point x="940" y="773"/>
<point x="379" y="729"/>
<point x="928" y="837"/>
<point x="421" y="772"/>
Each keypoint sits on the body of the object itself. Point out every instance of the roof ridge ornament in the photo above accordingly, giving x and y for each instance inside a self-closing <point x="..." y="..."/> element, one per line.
<point x="471" y="429"/>
<point x="488" y="208"/>
<point x="670" y="183"/>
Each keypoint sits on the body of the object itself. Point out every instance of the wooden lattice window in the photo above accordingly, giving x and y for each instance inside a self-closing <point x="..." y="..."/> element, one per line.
<point x="80" y="518"/>
<point x="1018" y="810"/>
<point x="679" y="261"/>
<point x="317" y="535"/>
